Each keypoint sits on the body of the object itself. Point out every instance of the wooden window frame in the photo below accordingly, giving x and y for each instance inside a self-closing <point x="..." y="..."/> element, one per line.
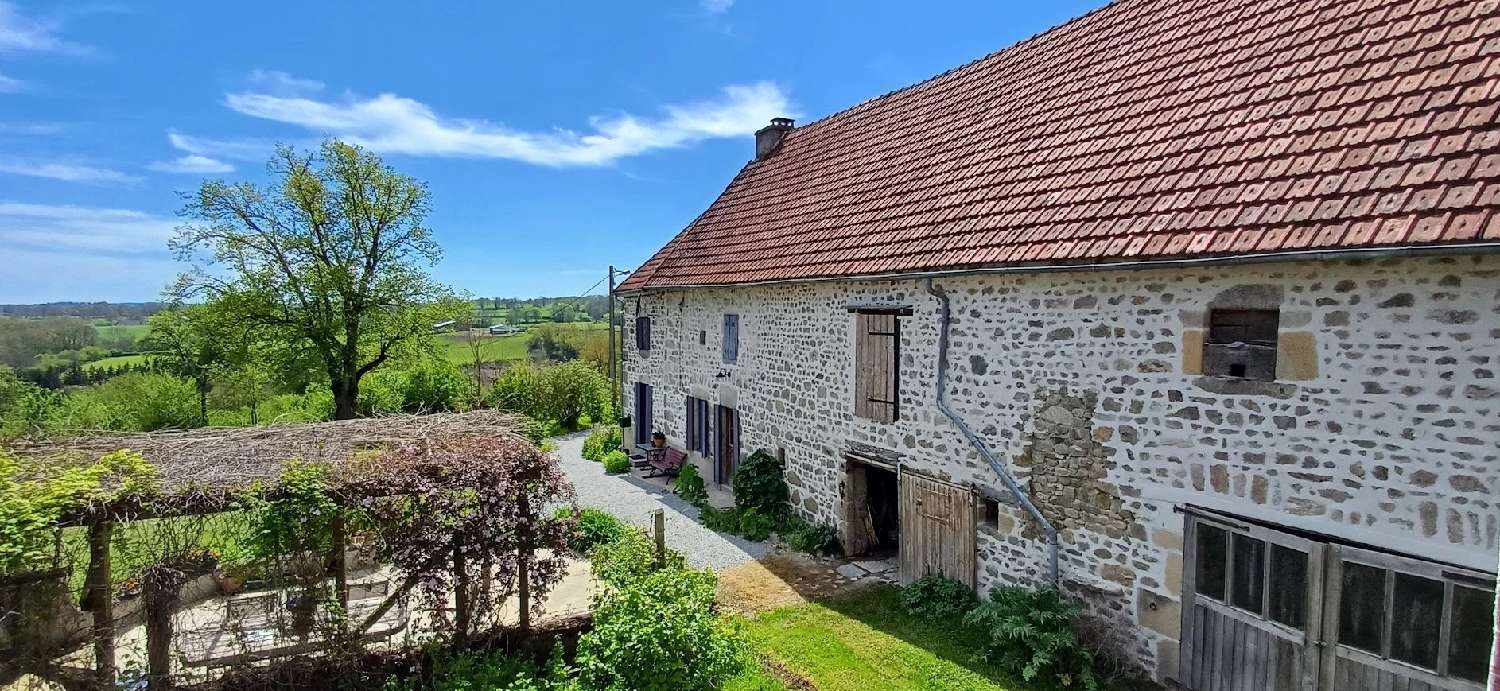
<point x="1229" y="348"/>
<point x="643" y="334"/>
<point x="877" y="365"/>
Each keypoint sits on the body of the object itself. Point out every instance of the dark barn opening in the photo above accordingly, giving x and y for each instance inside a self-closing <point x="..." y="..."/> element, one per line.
<point x="873" y="511"/>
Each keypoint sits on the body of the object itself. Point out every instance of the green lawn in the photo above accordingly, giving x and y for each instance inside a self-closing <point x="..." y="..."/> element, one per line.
<point x="116" y="361"/>
<point x="498" y="348"/>
<point x="134" y="331"/>
<point x="867" y="641"/>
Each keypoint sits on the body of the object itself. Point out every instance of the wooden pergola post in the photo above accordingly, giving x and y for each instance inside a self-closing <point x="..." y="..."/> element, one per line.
<point x="161" y="586"/>
<point x="463" y="609"/>
<point x="340" y="562"/>
<point x="100" y="601"/>
<point x="523" y="563"/>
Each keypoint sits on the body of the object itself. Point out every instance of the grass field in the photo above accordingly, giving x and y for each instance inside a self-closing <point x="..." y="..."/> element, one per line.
<point x="511" y="347"/>
<point x="116" y="361"/>
<point x="867" y="641"/>
<point x="134" y="331"/>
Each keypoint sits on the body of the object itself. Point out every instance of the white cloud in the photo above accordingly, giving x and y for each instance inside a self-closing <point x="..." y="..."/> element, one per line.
<point x="192" y="164"/>
<point x="283" y="84"/>
<point x="10" y="85"/>
<point x="60" y="252"/>
<point x="233" y="149"/>
<point x="45" y="227"/>
<point x="716" y="6"/>
<point x="30" y="128"/>
<point x="67" y="172"/>
<point x="393" y="124"/>
<point x="20" y="33"/>
<point x="198" y="158"/>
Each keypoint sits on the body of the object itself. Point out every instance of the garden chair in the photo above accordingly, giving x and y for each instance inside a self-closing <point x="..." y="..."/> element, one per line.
<point x="670" y="463"/>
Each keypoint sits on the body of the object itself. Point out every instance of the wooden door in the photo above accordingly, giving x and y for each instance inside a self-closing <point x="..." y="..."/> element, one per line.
<point x="937" y="529"/>
<point x="643" y="422"/>
<point x="1251" y="614"/>
<point x="859" y="529"/>
<point x="727" y="443"/>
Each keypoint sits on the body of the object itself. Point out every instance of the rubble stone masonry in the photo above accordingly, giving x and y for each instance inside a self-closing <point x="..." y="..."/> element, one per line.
<point x="1382" y="425"/>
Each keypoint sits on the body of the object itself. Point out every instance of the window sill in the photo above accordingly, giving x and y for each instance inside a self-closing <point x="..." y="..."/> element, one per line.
<point x="1235" y="386"/>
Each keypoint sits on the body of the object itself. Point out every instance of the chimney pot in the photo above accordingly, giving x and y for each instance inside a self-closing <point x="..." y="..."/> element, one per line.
<point x="769" y="137"/>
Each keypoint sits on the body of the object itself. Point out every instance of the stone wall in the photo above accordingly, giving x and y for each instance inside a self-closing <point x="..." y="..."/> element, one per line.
<point x="1381" y="426"/>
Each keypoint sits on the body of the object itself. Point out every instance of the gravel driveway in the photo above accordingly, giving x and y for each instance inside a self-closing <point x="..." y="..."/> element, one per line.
<point x="634" y="499"/>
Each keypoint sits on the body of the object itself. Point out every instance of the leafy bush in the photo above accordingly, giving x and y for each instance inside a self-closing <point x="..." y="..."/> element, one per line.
<point x="138" y="402"/>
<point x="759" y="484"/>
<point x="605" y="439"/>
<point x="564" y="393"/>
<point x="382" y="392"/>
<point x="35" y="493"/>
<point x="935" y="598"/>
<point x="628" y="558"/>
<point x="690" y="487"/>
<point x="1031" y="635"/>
<point x="555" y="343"/>
<point x="298" y="521"/>
<point x="490" y="671"/>
<point x="436" y="384"/>
<point x="616" y="462"/>
<point x="660" y="633"/>
<point x="820" y="539"/>
<point x="591" y="527"/>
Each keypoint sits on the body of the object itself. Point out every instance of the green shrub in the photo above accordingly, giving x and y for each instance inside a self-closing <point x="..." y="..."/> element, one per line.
<point x="565" y="393"/>
<point x="660" y="633"/>
<point x="138" y="402"/>
<point x="690" y="487"/>
<point x="821" y="539"/>
<point x="616" y="462"/>
<point x="759" y="484"/>
<point x="591" y="527"/>
<point x="298" y="520"/>
<point x="1030" y="634"/>
<point x="381" y="392"/>
<point x="628" y="558"/>
<point x="489" y="671"/>
<point x="435" y="384"/>
<point x="604" y="440"/>
<point x="935" y="598"/>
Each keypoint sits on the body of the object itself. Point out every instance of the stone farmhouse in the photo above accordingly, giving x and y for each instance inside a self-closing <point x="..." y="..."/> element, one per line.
<point x="1188" y="307"/>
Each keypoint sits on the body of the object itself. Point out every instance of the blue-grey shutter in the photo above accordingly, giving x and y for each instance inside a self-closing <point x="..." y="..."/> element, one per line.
<point x="731" y="337"/>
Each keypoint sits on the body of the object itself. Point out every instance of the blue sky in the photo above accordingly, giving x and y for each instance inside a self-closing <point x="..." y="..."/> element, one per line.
<point x="556" y="138"/>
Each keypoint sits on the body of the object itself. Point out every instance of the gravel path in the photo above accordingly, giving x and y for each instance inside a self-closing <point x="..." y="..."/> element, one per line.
<point x="633" y="499"/>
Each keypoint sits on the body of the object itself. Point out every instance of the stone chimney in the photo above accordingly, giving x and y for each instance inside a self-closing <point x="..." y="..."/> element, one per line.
<point x="770" y="136"/>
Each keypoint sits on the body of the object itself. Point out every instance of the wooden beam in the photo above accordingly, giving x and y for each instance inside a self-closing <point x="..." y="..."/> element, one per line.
<point x="161" y="588"/>
<point x="463" y="608"/>
<point x="99" y="600"/>
<point x="340" y="562"/>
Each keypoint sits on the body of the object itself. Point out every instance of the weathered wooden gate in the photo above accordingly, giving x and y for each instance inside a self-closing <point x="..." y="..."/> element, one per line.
<point x="937" y="529"/>
<point x="1264" y="609"/>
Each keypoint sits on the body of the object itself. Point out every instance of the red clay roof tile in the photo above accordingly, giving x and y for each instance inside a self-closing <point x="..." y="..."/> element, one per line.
<point x="1146" y="129"/>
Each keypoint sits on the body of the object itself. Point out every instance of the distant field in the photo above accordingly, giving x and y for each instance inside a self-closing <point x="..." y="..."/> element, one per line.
<point x="116" y="361"/>
<point x="135" y="331"/>
<point x="499" y="348"/>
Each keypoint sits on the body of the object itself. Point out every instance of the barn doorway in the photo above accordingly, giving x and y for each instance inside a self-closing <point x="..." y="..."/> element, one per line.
<point x="873" y="508"/>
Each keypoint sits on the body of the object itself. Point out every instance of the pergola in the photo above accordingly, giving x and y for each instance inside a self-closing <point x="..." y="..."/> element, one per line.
<point x="211" y="470"/>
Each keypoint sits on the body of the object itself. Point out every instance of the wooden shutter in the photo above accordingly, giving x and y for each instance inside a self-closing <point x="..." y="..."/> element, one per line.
<point x="690" y="425"/>
<point x="877" y="372"/>
<point x="731" y="337"/>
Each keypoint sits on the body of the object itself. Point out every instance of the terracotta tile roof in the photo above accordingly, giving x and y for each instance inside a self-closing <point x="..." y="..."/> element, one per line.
<point x="1145" y="129"/>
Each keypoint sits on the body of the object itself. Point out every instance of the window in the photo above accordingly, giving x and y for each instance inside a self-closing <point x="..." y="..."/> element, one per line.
<point x="1212" y="550"/>
<point x="1260" y="577"/>
<point x="1413" y="611"/>
<point x="731" y="337"/>
<point x="877" y="346"/>
<point x="643" y="333"/>
<point x="991" y="512"/>
<point x="698" y="427"/>
<point x="1241" y="344"/>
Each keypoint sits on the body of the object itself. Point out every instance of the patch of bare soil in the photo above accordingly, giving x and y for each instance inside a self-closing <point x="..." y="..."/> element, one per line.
<point x="791" y="680"/>
<point x="780" y="580"/>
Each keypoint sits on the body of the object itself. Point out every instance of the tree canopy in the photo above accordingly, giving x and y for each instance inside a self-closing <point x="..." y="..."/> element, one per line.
<point x="331" y="258"/>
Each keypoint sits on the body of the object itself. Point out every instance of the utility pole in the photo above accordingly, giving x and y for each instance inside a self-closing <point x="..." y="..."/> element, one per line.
<point x="614" y="384"/>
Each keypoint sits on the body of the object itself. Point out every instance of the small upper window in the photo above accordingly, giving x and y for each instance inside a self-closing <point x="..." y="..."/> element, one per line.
<point x="1242" y="344"/>
<point x="731" y="337"/>
<point x="877" y="357"/>
<point x="643" y="333"/>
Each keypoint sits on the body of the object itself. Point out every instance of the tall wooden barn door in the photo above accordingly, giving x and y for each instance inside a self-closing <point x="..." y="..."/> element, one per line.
<point x="937" y="529"/>
<point x="1269" y="610"/>
<point x="1251" y="615"/>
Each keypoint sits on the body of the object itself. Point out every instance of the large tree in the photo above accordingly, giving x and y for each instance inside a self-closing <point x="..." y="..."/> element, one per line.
<point x="332" y="257"/>
<point x="189" y="342"/>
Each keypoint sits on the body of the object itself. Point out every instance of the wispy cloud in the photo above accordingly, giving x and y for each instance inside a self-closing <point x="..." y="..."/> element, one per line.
<point x="46" y="227"/>
<point x="21" y="33"/>
<point x="67" y="172"/>
<point x="716" y="6"/>
<point x="46" y="248"/>
<point x="10" y="85"/>
<point x="394" y="124"/>
<point x="30" y="128"/>
<point x="198" y="157"/>
<point x="283" y="84"/>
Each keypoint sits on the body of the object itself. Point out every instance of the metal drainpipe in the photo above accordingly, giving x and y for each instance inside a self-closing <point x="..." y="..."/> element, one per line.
<point x="976" y="442"/>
